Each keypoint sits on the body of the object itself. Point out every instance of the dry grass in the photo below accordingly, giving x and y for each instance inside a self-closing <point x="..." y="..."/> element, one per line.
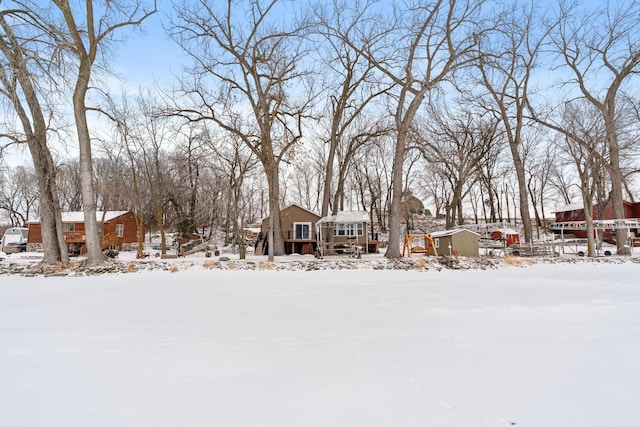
<point x="518" y="261"/>
<point x="131" y="267"/>
<point x="266" y="265"/>
<point x="210" y="264"/>
<point x="422" y="263"/>
<point x="174" y="268"/>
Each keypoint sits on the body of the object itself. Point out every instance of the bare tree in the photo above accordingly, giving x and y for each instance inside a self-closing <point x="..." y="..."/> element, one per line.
<point x="539" y="176"/>
<point x="127" y="142"/>
<point x="588" y="155"/>
<point x="70" y="186"/>
<point x="455" y="144"/>
<point x="508" y="58"/>
<point x="371" y="173"/>
<point x="490" y="171"/>
<point x="255" y="67"/>
<point x="234" y="160"/>
<point x="18" y="195"/>
<point x="23" y="62"/>
<point x="86" y="35"/>
<point x="356" y="89"/>
<point x="418" y="49"/>
<point x="155" y="132"/>
<point x="602" y="51"/>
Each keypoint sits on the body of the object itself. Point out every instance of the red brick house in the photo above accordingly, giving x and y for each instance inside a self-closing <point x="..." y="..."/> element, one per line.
<point x="118" y="228"/>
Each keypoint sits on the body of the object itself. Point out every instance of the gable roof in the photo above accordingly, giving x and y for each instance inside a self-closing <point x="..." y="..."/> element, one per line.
<point x="293" y="205"/>
<point x="301" y="208"/>
<point x="346" y="217"/>
<point x="445" y="233"/>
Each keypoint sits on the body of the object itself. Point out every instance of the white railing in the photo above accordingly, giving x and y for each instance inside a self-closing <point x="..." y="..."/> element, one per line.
<point x="605" y="224"/>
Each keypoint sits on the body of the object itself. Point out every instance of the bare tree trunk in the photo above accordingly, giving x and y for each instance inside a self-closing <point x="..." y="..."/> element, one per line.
<point x="276" y="242"/>
<point x="84" y="42"/>
<point x="35" y="129"/>
<point x="395" y="215"/>
<point x="92" y="232"/>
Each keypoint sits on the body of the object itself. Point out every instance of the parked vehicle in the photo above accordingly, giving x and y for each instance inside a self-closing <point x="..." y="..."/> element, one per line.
<point x="15" y="247"/>
<point x="14" y="240"/>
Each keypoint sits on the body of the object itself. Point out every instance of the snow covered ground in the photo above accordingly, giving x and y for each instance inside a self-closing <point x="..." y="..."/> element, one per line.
<point x="547" y="345"/>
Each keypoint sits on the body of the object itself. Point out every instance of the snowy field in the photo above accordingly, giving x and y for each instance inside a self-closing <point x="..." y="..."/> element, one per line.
<point x="548" y="345"/>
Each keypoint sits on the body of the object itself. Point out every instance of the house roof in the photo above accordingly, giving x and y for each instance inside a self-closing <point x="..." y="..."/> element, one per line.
<point x="76" y="217"/>
<point x="571" y="207"/>
<point x="445" y="233"/>
<point x="580" y="205"/>
<point x="304" y="209"/>
<point x="346" y="217"/>
<point x="294" y="205"/>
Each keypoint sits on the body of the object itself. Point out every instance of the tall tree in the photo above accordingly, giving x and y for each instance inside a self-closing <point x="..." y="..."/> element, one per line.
<point x="508" y="58"/>
<point x="602" y="51"/>
<point x="456" y="145"/>
<point x="352" y="89"/>
<point x="247" y="79"/>
<point x="86" y="32"/>
<point x="417" y="47"/>
<point x="23" y="63"/>
<point x="588" y="155"/>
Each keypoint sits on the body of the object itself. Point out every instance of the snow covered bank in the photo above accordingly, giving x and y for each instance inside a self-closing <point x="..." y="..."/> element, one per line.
<point x="28" y="264"/>
<point x="548" y="345"/>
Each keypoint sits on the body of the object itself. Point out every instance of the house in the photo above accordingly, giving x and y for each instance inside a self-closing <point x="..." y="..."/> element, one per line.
<point x="570" y="219"/>
<point x="459" y="241"/>
<point x="298" y="231"/>
<point x="345" y="232"/>
<point x="118" y="228"/>
<point x="575" y="212"/>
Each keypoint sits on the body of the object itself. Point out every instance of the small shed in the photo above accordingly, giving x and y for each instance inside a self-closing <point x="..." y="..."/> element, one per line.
<point x="459" y="241"/>
<point x="345" y="232"/>
<point x="298" y="231"/>
<point x="508" y="235"/>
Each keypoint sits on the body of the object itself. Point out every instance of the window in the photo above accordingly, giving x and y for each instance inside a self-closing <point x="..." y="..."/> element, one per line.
<point x="302" y="230"/>
<point x="354" y="229"/>
<point x="120" y="230"/>
<point x="436" y="242"/>
<point x="69" y="226"/>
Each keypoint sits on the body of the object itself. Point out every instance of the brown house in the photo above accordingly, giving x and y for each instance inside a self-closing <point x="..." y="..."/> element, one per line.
<point x="298" y="231"/>
<point x="118" y="228"/>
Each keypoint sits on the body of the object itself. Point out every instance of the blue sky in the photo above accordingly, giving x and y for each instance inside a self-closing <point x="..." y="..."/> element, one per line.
<point x="144" y="57"/>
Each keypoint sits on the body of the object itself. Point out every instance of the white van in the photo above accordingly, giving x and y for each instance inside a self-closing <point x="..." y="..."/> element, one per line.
<point x="14" y="240"/>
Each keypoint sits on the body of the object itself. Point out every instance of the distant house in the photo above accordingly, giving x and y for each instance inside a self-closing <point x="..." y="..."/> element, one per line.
<point x="575" y="212"/>
<point x="298" y="231"/>
<point x="344" y="232"/>
<point x="118" y="228"/>
<point x="459" y="241"/>
<point x="569" y="219"/>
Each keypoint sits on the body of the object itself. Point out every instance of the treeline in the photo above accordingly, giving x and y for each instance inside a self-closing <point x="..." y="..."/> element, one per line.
<point x="494" y="111"/>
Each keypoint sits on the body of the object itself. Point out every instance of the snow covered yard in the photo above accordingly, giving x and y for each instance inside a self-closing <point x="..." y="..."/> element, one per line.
<point x="548" y="345"/>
